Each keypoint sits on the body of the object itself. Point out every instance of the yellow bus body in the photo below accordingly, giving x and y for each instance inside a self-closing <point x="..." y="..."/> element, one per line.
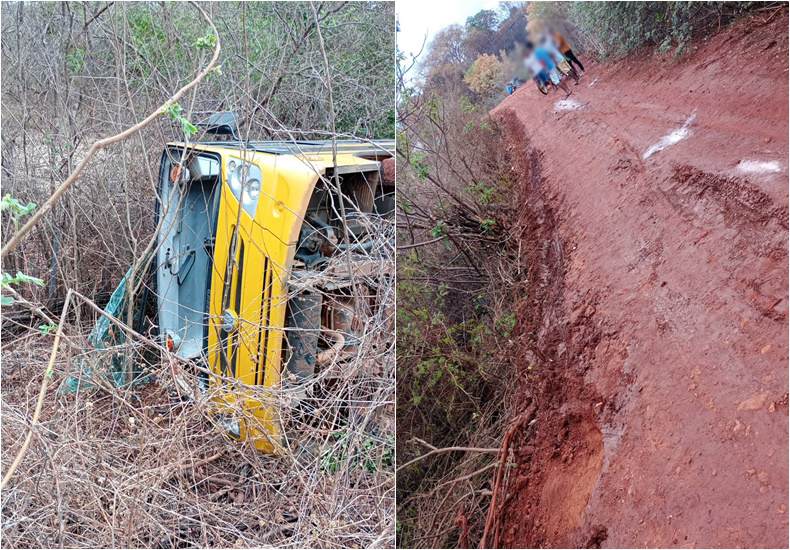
<point x="264" y="257"/>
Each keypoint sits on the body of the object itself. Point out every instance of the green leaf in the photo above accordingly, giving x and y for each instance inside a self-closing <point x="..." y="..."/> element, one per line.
<point x="438" y="230"/>
<point x="173" y="111"/>
<point x="214" y="71"/>
<point x="188" y="128"/>
<point x="20" y="278"/>
<point x="206" y="42"/>
<point x="488" y="226"/>
<point x="6" y="300"/>
<point x="48" y="328"/>
<point x="16" y="207"/>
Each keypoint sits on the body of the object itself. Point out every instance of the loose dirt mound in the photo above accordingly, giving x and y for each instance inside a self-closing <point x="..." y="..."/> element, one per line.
<point x="661" y="366"/>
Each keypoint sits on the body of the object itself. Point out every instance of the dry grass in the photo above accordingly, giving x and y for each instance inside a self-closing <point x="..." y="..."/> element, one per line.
<point x="148" y="467"/>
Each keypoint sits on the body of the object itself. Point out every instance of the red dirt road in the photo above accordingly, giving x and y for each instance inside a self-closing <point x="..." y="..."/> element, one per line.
<point x="671" y="429"/>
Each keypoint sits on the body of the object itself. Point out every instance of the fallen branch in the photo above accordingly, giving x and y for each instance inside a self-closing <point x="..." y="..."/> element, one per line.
<point x="773" y="15"/>
<point x="493" y="514"/>
<point x="102" y="143"/>
<point x="41" y="393"/>
<point x="465" y="477"/>
<point x="415" y="245"/>
<point x="202" y="462"/>
<point x="30" y="305"/>
<point x="48" y="376"/>
<point x="436" y="450"/>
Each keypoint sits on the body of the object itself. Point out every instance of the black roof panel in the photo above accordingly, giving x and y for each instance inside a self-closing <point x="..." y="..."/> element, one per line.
<point x="376" y="146"/>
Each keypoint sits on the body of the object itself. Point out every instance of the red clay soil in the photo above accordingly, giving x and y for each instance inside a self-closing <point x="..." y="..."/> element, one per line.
<point x="665" y="421"/>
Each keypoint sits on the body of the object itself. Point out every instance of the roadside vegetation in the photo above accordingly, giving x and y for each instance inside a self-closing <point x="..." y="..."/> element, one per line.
<point x="458" y="278"/>
<point x="146" y="466"/>
<point x="615" y="29"/>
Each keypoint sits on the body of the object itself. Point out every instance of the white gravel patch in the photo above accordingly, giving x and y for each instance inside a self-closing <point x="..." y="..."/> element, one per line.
<point x="567" y="105"/>
<point x="759" y="166"/>
<point x="671" y="138"/>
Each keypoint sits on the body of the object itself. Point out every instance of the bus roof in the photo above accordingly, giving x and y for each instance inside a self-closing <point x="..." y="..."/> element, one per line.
<point x="377" y="147"/>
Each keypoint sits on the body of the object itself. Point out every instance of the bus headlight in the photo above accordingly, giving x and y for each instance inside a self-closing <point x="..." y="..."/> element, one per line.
<point x="244" y="181"/>
<point x="251" y="191"/>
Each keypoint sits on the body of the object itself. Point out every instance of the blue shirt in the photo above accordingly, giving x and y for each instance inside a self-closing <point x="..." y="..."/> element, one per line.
<point x="543" y="55"/>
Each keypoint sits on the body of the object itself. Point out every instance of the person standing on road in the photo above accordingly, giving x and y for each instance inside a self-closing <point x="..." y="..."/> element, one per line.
<point x="545" y="60"/>
<point x="534" y="65"/>
<point x="565" y="48"/>
<point x="563" y="66"/>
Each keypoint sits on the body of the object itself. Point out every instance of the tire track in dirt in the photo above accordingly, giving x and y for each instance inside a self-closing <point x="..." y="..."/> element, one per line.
<point x="660" y="361"/>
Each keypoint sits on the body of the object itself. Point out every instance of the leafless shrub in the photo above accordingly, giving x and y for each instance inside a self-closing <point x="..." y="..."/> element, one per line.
<point x="148" y="465"/>
<point x="72" y="73"/>
<point x="457" y="261"/>
<point x="472" y="264"/>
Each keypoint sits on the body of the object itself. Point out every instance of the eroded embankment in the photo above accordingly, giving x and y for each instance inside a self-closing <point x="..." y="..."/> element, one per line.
<point x="559" y="454"/>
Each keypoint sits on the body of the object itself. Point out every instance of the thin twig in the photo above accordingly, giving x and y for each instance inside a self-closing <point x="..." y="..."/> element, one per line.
<point x="436" y="451"/>
<point x="42" y="392"/>
<point x="102" y="143"/>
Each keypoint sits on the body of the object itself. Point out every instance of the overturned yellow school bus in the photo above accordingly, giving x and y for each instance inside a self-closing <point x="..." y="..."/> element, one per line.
<point x="241" y="226"/>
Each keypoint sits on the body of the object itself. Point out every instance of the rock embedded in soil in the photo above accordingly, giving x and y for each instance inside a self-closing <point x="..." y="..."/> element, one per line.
<point x="754" y="404"/>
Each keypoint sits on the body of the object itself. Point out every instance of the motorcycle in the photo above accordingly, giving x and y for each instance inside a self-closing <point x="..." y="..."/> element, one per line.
<point x="514" y="85"/>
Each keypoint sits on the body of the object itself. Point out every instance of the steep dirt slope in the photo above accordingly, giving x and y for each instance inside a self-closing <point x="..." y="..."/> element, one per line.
<point x="666" y="421"/>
